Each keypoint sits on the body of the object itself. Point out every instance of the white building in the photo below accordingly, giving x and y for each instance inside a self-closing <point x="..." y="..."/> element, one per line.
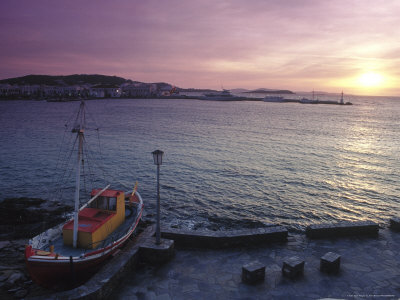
<point x="138" y="90"/>
<point x="8" y="90"/>
<point x="105" y="91"/>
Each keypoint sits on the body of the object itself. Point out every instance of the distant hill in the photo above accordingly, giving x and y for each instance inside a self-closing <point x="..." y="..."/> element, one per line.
<point x="67" y="80"/>
<point x="196" y="90"/>
<point x="269" y="91"/>
<point x="238" y="91"/>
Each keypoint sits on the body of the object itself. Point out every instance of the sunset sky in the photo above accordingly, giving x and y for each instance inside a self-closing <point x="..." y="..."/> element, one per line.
<point x="350" y="45"/>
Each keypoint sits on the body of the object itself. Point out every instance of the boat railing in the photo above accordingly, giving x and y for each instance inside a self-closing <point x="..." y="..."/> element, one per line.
<point x="102" y="243"/>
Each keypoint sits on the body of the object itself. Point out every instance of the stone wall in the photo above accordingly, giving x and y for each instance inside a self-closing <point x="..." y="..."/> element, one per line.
<point x="342" y="229"/>
<point x="225" y="239"/>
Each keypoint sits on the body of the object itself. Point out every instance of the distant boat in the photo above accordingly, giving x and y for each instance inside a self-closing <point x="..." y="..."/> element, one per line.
<point x="309" y="101"/>
<point x="225" y="95"/>
<point x="68" y="254"/>
<point x="273" y="99"/>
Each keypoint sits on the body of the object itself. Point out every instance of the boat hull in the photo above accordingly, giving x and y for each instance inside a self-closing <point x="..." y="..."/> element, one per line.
<point x="65" y="273"/>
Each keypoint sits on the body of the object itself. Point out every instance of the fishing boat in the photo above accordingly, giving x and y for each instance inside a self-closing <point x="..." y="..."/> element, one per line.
<point x="70" y="253"/>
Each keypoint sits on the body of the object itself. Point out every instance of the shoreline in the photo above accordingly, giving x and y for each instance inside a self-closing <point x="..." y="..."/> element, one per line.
<point x="184" y="97"/>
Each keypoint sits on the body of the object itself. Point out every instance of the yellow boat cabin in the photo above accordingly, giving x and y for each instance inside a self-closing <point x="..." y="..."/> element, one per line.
<point x="97" y="221"/>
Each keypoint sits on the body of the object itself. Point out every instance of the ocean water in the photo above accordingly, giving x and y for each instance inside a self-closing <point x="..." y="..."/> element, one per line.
<point x="227" y="165"/>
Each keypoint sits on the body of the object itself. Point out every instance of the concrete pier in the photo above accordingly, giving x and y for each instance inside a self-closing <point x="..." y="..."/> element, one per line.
<point x="369" y="269"/>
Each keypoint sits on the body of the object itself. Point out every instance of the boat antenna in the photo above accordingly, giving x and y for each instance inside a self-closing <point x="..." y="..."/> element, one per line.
<point x="79" y="129"/>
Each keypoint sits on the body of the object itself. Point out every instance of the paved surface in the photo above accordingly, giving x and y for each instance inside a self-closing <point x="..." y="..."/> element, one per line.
<point x="370" y="269"/>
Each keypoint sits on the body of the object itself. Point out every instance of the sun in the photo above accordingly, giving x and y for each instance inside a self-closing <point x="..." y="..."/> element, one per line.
<point x="370" y="79"/>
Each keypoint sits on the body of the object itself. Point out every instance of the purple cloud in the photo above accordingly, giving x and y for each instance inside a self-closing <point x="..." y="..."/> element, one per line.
<point x="200" y="43"/>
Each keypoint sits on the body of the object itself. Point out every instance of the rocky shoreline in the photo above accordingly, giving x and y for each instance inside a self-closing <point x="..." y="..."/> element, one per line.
<point x="26" y="217"/>
<point x="20" y="220"/>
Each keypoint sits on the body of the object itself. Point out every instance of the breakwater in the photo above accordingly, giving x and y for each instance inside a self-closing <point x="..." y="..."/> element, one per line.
<point x="226" y="239"/>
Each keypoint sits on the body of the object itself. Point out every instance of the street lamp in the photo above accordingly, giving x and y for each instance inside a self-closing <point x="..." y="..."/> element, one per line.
<point x="157" y="156"/>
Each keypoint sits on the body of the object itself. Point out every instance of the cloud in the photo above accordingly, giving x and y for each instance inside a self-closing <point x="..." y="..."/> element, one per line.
<point x="194" y="43"/>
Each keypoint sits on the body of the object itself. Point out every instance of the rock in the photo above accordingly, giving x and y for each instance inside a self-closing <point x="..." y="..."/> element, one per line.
<point x="7" y="272"/>
<point x="8" y="268"/>
<point x="21" y="260"/>
<point x="21" y="293"/>
<point x="24" y="217"/>
<point x="14" y="278"/>
<point x="3" y="277"/>
<point x="4" y="244"/>
<point x="29" y="282"/>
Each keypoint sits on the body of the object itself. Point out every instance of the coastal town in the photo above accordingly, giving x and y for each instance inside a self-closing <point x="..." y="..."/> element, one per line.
<point x="78" y="87"/>
<point x="63" y="91"/>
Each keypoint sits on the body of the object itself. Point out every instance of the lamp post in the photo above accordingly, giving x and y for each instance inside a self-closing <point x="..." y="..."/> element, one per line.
<point x="157" y="156"/>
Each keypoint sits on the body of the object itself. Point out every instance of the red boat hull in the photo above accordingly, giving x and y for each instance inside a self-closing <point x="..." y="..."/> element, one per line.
<point x="63" y="274"/>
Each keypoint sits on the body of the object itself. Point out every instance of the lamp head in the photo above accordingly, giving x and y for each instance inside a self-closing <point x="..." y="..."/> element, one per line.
<point x="157" y="156"/>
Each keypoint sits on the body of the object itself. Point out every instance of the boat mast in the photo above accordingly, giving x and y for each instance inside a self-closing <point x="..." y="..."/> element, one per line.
<point x="79" y="129"/>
